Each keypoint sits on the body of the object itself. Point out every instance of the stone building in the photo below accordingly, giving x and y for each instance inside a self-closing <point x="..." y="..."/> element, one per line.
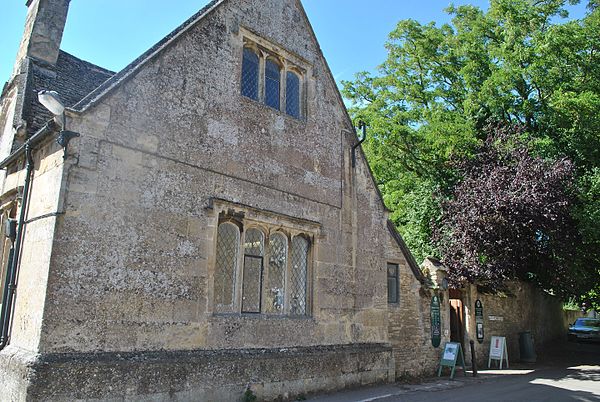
<point x="213" y="224"/>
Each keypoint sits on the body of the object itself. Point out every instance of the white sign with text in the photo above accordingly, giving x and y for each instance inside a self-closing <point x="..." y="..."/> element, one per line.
<point x="498" y="351"/>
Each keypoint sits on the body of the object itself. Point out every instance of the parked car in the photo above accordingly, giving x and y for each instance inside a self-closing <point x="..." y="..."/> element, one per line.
<point x="585" y="329"/>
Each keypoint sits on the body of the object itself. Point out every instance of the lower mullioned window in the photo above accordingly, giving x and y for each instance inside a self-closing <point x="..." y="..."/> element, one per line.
<point x="261" y="270"/>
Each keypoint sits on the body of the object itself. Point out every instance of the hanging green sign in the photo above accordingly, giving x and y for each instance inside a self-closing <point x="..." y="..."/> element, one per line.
<point x="436" y="322"/>
<point x="452" y="354"/>
<point x="479" y="320"/>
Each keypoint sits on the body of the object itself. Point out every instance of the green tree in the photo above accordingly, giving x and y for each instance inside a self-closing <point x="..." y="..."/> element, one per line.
<point x="518" y="63"/>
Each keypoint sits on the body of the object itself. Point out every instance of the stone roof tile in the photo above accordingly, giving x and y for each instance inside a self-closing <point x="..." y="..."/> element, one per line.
<point x="72" y="78"/>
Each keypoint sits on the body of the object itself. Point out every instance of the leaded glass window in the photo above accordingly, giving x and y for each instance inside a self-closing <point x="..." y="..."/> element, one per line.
<point x="277" y="268"/>
<point x="250" y="74"/>
<point x="292" y="95"/>
<point x="253" y="267"/>
<point x="298" y="276"/>
<point x="272" y="84"/>
<point x="260" y="270"/>
<point x="228" y="240"/>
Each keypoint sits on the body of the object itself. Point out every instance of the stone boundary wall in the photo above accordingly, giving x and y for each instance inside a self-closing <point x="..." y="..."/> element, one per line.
<point x="569" y="317"/>
<point x="201" y="375"/>
<point x="410" y="334"/>
<point x="523" y="308"/>
<point x="15" y="368"/>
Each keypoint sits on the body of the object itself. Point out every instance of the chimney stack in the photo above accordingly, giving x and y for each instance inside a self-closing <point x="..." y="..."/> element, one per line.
<point x="43" y="30"/>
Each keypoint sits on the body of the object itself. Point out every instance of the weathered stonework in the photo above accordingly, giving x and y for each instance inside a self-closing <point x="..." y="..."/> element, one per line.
<point x="201" y="375"/>
<point x="409" y="324"/>
<point x="43" y="30"/>
<point x="521" y="308"/>
<point x="116" y="289"/>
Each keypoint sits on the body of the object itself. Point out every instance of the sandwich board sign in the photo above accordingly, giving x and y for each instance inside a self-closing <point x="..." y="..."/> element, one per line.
<point x="452" y="354"/>
<point x="498" y="351"/>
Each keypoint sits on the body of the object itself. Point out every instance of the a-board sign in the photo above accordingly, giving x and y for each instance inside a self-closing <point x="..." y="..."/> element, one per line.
<point x="498" y="351"/>
<point x="436" y="322"/>
<point x="479" y="320"/>
<point x="452" y="354"/>
<point x="450" y="351"/>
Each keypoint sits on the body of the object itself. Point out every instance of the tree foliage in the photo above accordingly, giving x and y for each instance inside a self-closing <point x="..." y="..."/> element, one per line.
<point x="518" y="63"/>
<point x="510" y="216"/>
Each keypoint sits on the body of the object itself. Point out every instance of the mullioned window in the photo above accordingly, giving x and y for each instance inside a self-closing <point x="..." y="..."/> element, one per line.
<point x="271" y="78"/>
<point x="263" y="267"/>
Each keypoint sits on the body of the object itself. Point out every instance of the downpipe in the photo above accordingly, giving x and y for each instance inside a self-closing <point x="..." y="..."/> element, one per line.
<point x="10" y="287"/>
<point x="363" y="126"/>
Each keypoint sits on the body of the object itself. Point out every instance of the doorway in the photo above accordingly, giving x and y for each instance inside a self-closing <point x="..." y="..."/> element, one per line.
<point x="457" y="317"/>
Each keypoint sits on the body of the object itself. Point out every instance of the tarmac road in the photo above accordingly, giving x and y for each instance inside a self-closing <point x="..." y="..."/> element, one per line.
<point x="569" y="372"/>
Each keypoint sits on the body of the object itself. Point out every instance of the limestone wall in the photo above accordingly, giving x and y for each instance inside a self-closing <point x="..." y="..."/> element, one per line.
<point x="135" y="246"/>
<point x="570" y="316"/>
<point x="7" y="120"/>
<point x="223" y="375"/>
<point x="30" y="297"/>
<point x="409" y="323"/>
<point x="43" y="209"/>
<point x="522" y="308"/>
<point x="125" y="257"/>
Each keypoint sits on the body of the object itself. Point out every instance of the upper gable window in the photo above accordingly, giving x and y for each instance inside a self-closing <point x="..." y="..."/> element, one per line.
<point x="274" y="77"/>
<point x="272" y="84"/>
<point x="250" y="67"/>
<point x="292" y="96"/>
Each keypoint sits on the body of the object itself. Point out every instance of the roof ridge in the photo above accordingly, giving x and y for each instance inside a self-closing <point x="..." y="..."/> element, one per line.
<point x="97" y="93"/>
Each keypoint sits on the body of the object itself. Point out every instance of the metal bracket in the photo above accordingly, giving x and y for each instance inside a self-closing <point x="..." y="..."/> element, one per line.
<point x="63" y="139"/>
<point x="363" y="126"/>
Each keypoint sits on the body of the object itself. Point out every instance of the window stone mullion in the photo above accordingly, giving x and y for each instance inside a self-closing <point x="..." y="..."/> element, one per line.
<point x="288" y="271"/>
<point x="283" y="85"/>
<point x="261" y="75"/>
<point x="265" y="275"/>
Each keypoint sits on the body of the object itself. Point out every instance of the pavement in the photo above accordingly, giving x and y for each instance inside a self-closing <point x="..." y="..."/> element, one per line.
<point x="567" y="372"/>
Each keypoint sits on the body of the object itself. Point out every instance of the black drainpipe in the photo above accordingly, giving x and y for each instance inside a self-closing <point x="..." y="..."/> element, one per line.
<point x="364" y="136"/>
<point x="10" y="286"/>
<point x="11" y="274"/>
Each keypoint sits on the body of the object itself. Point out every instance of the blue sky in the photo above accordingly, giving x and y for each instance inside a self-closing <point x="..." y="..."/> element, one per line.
<point x="112" y="33"/>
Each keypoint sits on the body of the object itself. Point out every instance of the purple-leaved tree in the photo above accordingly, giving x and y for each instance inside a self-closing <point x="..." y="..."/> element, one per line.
<point x="510" y="217"/>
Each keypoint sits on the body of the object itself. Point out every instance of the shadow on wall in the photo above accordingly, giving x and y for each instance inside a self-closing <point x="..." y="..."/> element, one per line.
<point x="521" y="308"/>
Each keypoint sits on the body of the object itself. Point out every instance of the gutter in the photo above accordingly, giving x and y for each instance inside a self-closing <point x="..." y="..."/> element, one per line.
<point x="10" y="286"/>
<point x="41" y="134"/>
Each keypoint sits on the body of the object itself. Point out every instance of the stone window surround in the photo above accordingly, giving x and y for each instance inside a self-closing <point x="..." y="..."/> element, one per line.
<point x="287" y="61"/>
<point x="269" y="223"/>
